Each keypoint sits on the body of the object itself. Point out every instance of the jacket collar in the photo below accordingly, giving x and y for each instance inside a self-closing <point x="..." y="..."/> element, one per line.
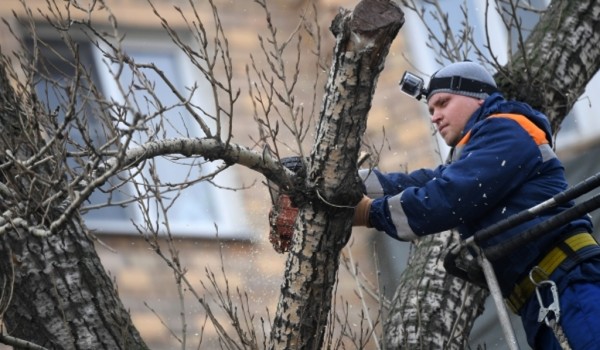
<point x="496" y="103"/>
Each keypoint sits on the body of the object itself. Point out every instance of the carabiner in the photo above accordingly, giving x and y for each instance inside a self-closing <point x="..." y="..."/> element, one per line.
<point x="553" y="309"/>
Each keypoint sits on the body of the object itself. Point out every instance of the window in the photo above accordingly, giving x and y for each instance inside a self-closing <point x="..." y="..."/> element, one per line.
<point x="192" y="212"/>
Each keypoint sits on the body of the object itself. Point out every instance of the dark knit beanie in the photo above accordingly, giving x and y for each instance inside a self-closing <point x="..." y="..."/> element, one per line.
<point x="462" y="78"/>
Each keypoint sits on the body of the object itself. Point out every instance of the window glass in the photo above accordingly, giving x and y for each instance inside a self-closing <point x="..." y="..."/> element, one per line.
<point x="195" y="210"/>
<point x="56" y="73"/>
<point x="581" y="123"/>
<point x="193" y="204"/>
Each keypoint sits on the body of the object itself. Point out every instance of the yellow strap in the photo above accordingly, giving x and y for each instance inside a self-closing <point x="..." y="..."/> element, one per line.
<point x="548" y="264"/>
<point x="556" y="256"/>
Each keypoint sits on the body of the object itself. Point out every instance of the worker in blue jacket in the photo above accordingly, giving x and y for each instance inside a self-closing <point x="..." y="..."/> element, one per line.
<point x="501" y="163"/>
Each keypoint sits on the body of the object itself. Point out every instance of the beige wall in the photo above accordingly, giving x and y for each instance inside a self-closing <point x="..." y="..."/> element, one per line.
<point x="145" y="282"/>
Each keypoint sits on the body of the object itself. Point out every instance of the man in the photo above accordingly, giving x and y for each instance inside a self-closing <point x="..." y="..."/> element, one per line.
<point x="501" y="163"/>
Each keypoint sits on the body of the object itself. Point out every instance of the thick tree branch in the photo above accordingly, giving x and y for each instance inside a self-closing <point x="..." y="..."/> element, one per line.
<point x="561" y="59"/>
<point x="211" y="149"/>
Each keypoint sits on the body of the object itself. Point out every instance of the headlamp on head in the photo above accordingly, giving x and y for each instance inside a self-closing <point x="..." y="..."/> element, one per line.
<point x="413" y="85"/>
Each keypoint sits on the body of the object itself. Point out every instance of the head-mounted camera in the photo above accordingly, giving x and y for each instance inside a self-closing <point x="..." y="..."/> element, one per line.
<point x="412" y="85"/>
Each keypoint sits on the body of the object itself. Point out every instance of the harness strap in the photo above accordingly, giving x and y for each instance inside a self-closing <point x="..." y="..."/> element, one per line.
<point x="579" y="247"/>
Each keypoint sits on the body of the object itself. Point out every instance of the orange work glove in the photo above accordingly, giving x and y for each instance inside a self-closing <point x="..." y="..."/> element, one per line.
<point x="361" y="212"/>
<point x="281" y="221"/>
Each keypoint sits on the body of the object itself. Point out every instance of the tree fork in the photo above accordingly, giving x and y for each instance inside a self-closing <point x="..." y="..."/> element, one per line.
<point x="363" y="39"/>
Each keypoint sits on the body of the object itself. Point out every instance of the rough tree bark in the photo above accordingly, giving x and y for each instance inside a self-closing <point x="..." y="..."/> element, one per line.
<point x="549" y="72"/>
<point x="557" y="60"/>
<point x="55" y="290"/>
<point x="363" y="38"/>
<point x="432" y="309"/>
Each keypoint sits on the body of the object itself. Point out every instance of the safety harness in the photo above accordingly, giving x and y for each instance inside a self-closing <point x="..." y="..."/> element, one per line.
<point x="565" y="255"/>
<point x="568" y="253"/>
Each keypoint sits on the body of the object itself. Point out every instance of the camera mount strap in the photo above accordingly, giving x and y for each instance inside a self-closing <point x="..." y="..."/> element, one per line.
<point x="458" y="83"/>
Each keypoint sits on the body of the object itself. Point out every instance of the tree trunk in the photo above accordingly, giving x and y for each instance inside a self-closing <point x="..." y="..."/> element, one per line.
<point x="560" y="57"/>
<point x="431" y="308"/>
<point x="61" y="296"/>
<point x="363" y="38"/>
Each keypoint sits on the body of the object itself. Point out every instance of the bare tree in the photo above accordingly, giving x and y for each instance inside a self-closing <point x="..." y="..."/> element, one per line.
<point x="57" y="293"/>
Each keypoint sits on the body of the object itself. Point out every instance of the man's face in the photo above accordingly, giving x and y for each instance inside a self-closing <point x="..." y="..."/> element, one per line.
<point x="450" y="113"/>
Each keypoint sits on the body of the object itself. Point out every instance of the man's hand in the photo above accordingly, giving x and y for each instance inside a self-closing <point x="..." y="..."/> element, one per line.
<point x="281" y="220"/>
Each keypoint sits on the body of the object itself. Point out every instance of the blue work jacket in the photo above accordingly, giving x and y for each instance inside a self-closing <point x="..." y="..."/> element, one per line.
<point x="504" y="164"/>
